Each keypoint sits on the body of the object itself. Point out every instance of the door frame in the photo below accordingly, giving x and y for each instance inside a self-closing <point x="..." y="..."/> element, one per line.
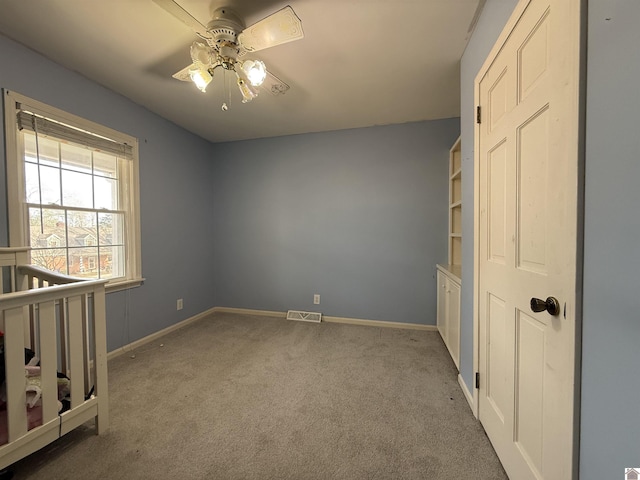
<point x="581" y="122"/>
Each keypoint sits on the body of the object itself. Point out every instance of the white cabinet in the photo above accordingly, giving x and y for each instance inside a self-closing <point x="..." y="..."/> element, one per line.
<point x="448" y="313"/>
<point x="448" y="276"/>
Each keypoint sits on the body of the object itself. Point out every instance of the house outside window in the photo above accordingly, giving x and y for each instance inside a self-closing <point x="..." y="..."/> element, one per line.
<point x="53" y="241"/>
<point x="73" y="193"/>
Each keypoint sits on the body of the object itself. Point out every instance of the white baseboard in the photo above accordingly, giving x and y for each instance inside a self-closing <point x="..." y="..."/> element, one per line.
<point x="248" y="311"/>
<point x="467" y="394"/>
<point x="352" y="321"/>
<point x="150" y="338"/>
<point x="379" y="323"/>
<point x="265" y="313"/>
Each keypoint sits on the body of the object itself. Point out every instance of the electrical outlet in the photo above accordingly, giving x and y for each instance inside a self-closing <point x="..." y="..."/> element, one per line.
<point x="316" y="299"/>
<point x="179" y="304"/>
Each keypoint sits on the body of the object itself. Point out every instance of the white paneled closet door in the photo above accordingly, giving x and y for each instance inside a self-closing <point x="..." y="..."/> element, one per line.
<point x="527" y="192"/>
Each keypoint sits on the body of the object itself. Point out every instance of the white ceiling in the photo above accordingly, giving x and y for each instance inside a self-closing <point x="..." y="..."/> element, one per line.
<point x="361" y="63"/>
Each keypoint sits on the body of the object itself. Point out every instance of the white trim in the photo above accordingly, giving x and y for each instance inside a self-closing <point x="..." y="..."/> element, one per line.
<point x="15" y="175"/>
<point x="124" y="285"/>
<point x="476" y="250"/>
<point x="134" y="252"/>
<point x="468" y="396"/>
<point x="380" y="323"/>
<point x="150" y="338"/>
<point x="350" y="321"/>
<point x="248" y="311"/>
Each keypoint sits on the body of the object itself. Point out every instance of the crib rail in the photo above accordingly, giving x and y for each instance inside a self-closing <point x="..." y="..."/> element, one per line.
<point x="31" y="276"/>
<point x="38" y="277"/>
<point x="62" y="319"/>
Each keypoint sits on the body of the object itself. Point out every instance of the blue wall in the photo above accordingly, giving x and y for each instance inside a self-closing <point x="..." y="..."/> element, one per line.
<point x="611" y="318"/>
<point x="174" y="194"/>
<point x="357" y="216"/>
<point x="494" y="16"/>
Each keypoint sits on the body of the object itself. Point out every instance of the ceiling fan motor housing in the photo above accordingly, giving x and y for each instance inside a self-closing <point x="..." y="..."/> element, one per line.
<point x="225" y="27"/>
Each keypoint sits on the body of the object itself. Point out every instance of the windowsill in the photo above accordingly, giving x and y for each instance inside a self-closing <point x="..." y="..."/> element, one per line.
<point x="124" y="285"/>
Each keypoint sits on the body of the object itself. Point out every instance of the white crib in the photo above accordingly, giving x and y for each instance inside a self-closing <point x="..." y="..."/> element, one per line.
<point x="62" y="319"/>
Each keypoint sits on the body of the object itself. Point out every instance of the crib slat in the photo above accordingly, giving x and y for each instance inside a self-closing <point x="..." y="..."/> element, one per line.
<point x="48" y="360"/>
<point x="29" y="326"/>
<point x="15" y="377"/>
<point x="76" y="367"/>
<point x="85" y="339"/>
<point x="100" y="358"/>
<point x="62" y="323"/>
<point x="13" y="275"/>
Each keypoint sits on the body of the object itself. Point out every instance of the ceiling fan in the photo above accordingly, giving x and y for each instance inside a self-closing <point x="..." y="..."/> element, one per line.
<point x="227" y="41"/>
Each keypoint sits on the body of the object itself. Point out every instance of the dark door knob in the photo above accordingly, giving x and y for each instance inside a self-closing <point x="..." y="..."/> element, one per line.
<point x="551" y="305"/>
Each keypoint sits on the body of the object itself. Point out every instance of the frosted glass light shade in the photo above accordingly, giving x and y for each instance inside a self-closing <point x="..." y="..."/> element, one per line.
<point x="255" y="70"/>
<point x="200" y="53"/>
<point x="201" y="77"/>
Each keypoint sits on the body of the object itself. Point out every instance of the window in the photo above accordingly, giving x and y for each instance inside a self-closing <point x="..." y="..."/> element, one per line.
<point x="73" y="193"/>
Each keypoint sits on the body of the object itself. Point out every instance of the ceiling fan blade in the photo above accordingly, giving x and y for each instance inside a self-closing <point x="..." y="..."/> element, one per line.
<point x="183" y="75"/>
<point x="280" y="27"/>
<point x="274" y="85"/>
<point x="170" y="6"/>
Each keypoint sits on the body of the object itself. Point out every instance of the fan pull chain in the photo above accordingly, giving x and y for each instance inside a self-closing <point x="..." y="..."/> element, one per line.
<point x="225" y="89"/>
<point x="34" y="124"/>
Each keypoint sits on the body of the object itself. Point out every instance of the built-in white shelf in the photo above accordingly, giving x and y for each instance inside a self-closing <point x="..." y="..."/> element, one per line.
<point x="455" y="204"/>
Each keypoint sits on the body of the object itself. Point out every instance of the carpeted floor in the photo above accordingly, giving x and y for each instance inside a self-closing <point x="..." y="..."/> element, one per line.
<point x="247" y="397"/>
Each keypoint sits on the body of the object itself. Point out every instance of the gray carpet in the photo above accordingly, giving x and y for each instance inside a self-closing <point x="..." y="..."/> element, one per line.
<point x="246" y="397"/>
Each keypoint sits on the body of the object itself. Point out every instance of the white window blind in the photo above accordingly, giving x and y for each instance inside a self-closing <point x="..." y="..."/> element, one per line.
<point x="49" y="128"/>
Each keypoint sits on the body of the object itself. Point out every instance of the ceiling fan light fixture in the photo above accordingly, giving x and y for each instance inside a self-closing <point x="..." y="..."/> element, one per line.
<point x="227" y="39"/>
<point x="201" y="77"/>
<point x="200" y="53"/>
<point x="255" y="70"/>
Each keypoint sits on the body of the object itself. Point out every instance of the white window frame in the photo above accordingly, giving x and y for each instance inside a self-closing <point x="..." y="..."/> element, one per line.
<point x="18" y="231"/>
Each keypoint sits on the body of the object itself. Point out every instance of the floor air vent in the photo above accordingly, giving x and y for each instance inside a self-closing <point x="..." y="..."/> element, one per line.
<point x="304" y="316"/>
